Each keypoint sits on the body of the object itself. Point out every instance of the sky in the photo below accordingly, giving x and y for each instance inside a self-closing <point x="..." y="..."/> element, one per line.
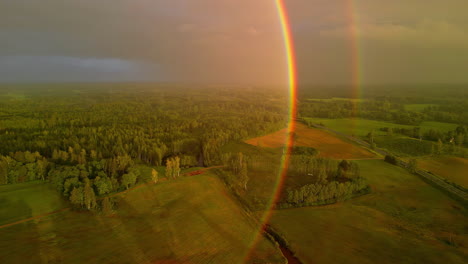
<point x="233" y="41"/>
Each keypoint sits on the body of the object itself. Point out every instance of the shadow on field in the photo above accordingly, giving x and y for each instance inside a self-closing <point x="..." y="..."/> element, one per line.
<point x="154" y="244"/>
<point x="21" y="241"/>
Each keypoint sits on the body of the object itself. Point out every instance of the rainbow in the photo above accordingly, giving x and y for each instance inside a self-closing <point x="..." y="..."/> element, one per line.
<point x="292" y="87"/>
<point x="356" y="80"/>
<point x="356" y="73"/>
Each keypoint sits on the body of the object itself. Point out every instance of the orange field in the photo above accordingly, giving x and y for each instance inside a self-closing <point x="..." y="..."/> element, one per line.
<point x="452" y="168"/>
<point x="329" y="145"/>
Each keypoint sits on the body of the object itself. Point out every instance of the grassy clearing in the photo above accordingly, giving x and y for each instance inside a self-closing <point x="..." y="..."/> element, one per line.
<point x="329" y="145"/>
<point x="452" y="168"/>
<point x="361" y="127"/>
<point x="24" y="200"/>
<point x="189" y="220"/>
<point x="404" y="220"/>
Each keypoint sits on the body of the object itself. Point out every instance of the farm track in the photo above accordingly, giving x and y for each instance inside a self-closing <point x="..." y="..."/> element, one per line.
<point x="192" y="173"/>
<point x="432" y="179"/>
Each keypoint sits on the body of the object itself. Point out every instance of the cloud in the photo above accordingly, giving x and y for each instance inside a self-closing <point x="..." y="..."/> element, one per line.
<point x="67" y="68"/>
<point x="425" y="32"/>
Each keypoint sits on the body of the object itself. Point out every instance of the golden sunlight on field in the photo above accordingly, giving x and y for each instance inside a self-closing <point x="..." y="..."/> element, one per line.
<point x="452" y="168"/>
<point x="329" y="145"/>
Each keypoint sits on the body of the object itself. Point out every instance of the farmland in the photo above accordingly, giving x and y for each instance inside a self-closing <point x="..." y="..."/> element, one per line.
<point x="327" y="144"/>
<point x="150" y="225"/>
<point x="361" y="127"/>
<point x="452" y="168"/>
<point x="26" y="200"/>
<point x="403" y="220"/>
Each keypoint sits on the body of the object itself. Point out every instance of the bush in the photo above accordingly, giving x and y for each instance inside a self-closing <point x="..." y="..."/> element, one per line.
<point x="391" y="159"/>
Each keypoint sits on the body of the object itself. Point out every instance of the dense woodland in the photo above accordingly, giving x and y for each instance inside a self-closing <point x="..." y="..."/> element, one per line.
<point x="90" y="140"/>
<point x="328" y="180"/>
<point x="87" y="141"/>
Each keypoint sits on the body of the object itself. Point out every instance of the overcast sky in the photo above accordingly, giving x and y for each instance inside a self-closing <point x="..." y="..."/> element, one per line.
<point x="231" y="41"/>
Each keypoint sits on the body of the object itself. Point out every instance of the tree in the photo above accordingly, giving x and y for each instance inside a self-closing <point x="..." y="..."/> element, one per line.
<point x="176" y="168"/>
<point x="76" y="196"/>
<point x="169" y="171"/>
<point x="154" y="175"/>
<point x="3" y="170"/>
<point x="128" y="179"/>
<point x="391" y="159"/>
<point x="88" y="196"/>
<point x="243" y="176"/>
<point x="103" y="185"/>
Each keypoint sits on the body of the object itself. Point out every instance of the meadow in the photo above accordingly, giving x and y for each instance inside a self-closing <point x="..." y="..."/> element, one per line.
<point x="361" y="127"/>
<point x="403" y="220"/>
<point x="453" y="169"/>
<point x="189" y="220"/>
<point x="328" y="145"/>
<point x="24" y="200"/>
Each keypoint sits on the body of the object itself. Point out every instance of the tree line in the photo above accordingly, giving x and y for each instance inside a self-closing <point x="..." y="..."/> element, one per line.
<point x="330" y="181"/>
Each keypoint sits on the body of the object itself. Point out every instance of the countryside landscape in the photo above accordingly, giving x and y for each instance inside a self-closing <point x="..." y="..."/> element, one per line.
<point x="148" y="173"/>
<point x="237" y="132"/>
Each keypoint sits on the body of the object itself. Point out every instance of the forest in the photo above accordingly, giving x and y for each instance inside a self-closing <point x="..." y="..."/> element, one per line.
<point x="89" y="142"/>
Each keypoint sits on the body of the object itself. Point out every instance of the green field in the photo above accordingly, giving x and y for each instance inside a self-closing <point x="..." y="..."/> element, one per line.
<point x="337" y="99"/>
<point x="453" y="169"/>
<point x="417" y="107"/>
<point x="24" y="200"/>
<point x="189" y="220"/>
<point x="404" y="146"/>
<point x="403" y="220"/>
<point x="361" y="127"/>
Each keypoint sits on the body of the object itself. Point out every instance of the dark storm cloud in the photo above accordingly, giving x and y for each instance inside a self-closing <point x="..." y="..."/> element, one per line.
<point x="206" y="40"/>
<point x="236" y="40"/>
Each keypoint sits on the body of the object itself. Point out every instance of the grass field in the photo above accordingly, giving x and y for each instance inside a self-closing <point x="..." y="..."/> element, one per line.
<point x="403" y="220"/>
<point x="189" y="220"/>
<point x="417" y="107"/>
<point x="337" y="99"/>
<point x="361" y="127"/>
<point x="24" y="200"/>
<point x="452" y="168"/>
<point x="329" y="145"/>
<point x="404" y="146"/>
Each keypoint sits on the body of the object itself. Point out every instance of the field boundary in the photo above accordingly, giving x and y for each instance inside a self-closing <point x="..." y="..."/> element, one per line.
<point x="431" y="179"/>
